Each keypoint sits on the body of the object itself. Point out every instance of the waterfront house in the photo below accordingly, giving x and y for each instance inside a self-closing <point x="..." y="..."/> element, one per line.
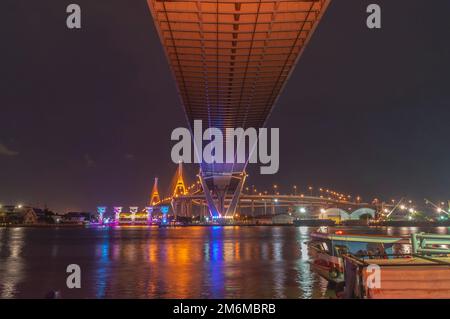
<point x="17" y="215"/>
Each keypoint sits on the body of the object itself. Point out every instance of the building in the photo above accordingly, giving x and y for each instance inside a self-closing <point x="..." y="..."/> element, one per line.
<point x="282" y="219"/>
<point x="18" y="215"/>
<point x="77" y="217"/>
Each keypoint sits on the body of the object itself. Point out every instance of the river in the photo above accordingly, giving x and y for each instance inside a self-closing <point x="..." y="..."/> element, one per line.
<point x="152" y="262"/>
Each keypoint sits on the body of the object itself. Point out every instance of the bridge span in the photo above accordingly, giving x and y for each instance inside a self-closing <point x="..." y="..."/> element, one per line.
<point x="231" y="60"/>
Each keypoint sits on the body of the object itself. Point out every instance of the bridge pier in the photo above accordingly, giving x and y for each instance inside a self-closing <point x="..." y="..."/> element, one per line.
<point x="216" y="187"/>
<point x="253" y="207"/>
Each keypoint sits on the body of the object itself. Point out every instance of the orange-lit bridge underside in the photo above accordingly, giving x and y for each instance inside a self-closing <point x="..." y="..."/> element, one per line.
<point x="231" y="59"/>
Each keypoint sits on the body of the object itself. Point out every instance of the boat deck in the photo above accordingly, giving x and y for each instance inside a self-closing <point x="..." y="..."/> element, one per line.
<point x="412" y="261"/>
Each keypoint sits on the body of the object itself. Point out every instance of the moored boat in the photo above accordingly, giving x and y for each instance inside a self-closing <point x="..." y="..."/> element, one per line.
<point x="424" y="273"/>
<point x="328" y="249"/>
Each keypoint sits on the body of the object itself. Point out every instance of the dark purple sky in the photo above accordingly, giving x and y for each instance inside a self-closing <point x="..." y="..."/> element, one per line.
<point x="86" y="115"/>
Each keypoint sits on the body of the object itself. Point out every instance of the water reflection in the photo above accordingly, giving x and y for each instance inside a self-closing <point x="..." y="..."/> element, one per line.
<point x="214" y="254"/>
<point x="149" y="262"/>
<point x="102" y="256"/>
<point x="11" y="262"/>
<point x="311" y="285"/>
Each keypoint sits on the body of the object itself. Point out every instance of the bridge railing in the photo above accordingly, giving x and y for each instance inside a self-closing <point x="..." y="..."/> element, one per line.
<point x="430" y="244"/>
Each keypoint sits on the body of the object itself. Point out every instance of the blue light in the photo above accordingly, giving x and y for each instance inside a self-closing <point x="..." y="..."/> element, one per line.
<point x="164" y="209"/>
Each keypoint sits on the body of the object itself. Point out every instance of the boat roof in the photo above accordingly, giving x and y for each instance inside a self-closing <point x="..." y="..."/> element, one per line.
<point x="414" y="260"/>
<point x="382" y="239"/>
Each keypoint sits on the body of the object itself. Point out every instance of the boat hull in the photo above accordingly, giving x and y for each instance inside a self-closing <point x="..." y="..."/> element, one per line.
<point x="327" y="266"/>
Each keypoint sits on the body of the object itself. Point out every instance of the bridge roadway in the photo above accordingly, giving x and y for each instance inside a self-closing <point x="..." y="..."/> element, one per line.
<point x="282" y="199"/>
<point x="183" y="204"/>
<point x="231" y="60"/>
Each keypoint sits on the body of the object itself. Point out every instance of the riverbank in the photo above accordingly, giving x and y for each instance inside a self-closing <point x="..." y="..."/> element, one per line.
<point x="307" y="224"/>
<point x="43" y="225"/>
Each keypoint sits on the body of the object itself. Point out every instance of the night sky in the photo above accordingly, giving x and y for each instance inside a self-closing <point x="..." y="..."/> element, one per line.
<point x="86" y="115"/>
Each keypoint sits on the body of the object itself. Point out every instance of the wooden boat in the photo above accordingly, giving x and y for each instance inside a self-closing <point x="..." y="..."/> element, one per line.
<point x="328" y="249"/>
<point x="400" y="278"/>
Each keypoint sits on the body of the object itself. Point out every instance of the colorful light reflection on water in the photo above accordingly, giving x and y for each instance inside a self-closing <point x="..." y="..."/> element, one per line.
<point x="152" y="262"/>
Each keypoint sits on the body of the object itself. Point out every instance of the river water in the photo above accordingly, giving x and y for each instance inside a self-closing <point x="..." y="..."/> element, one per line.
<point x="152" y="262"/>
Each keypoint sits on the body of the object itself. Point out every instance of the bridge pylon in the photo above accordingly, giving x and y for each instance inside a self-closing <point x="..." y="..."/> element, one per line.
<point x="154" y="197"/>
<point x="180" y="186"/>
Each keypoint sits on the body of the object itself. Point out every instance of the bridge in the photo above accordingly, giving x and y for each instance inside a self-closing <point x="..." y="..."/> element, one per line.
<point x="231" y="60"/>
<point x="190" y="201"/>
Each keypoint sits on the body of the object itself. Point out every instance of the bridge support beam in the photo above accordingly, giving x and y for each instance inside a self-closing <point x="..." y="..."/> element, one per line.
<point x="217" y="207"/>
<point x="237" y="194"/>
<point x="214" y="212"/>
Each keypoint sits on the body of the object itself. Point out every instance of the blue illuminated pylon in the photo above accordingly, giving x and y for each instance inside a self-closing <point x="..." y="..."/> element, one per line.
<point x="164" y="211"/>
<point x="101" y="210"/>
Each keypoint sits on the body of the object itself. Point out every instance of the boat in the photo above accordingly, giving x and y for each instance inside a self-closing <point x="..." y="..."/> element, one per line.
<point x="313" y="222"/>
<point x="328" y="250"/>
<point x="424" y="273"/>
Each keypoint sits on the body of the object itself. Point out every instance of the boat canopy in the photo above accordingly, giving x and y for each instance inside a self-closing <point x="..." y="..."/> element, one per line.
<point x="381" y="239"/>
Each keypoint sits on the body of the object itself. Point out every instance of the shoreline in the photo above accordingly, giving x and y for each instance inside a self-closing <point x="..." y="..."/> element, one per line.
<point x="382" y="224"/>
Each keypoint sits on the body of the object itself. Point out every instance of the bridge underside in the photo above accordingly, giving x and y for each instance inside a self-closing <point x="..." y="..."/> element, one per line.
<point x="231" y="59"/>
